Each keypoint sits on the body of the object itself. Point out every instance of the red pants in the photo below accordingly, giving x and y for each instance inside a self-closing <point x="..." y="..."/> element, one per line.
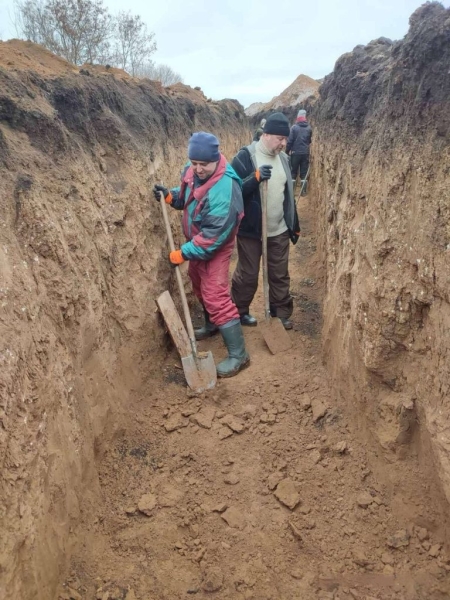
<point x="210" y="284"/>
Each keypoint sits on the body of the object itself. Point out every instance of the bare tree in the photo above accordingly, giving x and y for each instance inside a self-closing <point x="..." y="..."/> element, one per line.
<point x="134" y="43"/>
<point x="163" y="73"/>
<point x="77" y="30"/>
<point x="32" y="23"/>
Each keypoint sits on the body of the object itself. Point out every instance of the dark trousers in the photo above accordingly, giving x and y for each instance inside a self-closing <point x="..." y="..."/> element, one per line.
<point x="245" y="278"/>
<point x="299" y="161"/>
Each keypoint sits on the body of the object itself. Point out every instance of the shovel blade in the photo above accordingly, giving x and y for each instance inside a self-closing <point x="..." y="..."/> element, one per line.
<point x="275" y="336"/>
<point x="200" y="371"/>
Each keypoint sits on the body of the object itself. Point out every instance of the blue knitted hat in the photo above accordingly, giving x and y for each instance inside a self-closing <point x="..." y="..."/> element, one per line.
<point x="204" y="147"/>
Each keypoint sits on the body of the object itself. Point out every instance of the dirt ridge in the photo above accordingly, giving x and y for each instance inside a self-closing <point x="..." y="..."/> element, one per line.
<point x="82" y="257"/>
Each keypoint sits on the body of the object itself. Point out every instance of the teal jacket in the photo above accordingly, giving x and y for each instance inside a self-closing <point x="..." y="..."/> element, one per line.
<point x="212" y="210"/>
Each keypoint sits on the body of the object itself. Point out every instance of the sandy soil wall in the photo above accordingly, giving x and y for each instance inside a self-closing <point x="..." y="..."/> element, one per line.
<point x="381" y="178"/>
<point x="82" y="259"/>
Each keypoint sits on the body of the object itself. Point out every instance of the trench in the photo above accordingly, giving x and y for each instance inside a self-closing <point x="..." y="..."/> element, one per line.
<point x="318" y="474"/>
<point x="268" y="487"/>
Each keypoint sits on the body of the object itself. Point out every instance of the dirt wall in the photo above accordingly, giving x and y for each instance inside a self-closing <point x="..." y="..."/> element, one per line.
<point x="381" y="182"/>
<point x="82" y="259"/>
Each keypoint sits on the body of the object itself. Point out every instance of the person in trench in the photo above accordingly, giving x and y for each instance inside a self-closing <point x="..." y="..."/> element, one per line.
<point x="210" y="196"/>
<point x="297" y="147"/>
<point x="265" y="161"/>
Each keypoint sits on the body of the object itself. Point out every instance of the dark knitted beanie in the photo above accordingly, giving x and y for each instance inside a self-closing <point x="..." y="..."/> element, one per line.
<point x="277" y="124"/>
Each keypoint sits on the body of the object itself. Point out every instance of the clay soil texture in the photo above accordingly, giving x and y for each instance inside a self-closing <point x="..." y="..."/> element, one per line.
<point x="263" y="488"/>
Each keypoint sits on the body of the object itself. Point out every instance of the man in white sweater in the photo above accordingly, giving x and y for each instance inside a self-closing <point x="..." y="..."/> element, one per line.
<point x="260" y="161"/>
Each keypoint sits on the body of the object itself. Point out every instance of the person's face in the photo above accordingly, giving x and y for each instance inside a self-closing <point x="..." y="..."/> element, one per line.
<point x="274" y="143"/>
<point x="203" y="170"/>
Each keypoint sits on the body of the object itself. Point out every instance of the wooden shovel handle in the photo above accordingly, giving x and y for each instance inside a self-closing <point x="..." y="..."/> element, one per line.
<point x="187" y="314"/>
<point x="264" y="188"/>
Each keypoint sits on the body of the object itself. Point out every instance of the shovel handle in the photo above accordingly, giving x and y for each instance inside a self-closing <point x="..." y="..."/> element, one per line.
<point x="264" y="187"/>
<point x="187" y="314"/>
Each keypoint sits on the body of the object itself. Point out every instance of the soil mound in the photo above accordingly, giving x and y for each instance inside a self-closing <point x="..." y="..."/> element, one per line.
<point x="302" y="92"/>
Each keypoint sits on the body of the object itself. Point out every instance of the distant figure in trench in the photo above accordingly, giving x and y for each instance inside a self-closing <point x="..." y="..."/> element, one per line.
<point x="258" y="162"/>
<point x="259" y="131"/>
<point x="210" y="196"/>
<point x="297" y="147"/>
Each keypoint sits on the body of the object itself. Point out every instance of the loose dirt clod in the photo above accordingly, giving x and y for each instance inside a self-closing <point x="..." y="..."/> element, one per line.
<point x="234" y="518"/>
<point x="286" y="493"/>
<point x="146" y="504"/>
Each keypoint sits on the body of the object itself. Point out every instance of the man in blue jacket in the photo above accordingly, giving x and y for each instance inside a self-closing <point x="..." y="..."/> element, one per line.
<point x="260" y="161"/>
<point x="210" y="197"/>
<point x="298" y="145"/>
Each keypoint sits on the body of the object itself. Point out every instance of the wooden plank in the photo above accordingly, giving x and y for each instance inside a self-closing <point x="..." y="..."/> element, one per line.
<point x="174" y="324"/>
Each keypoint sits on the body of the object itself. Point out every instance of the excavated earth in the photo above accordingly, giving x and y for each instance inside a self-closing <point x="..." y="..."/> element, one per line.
<point x="316" y="474"/>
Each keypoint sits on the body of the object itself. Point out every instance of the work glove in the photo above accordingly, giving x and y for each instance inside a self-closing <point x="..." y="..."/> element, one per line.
<point x="264" y="172"/>
<point x="176" y="257"/>
<point x="157" y="189"/>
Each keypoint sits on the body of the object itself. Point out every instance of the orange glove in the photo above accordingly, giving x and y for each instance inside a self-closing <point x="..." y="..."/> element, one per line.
<point x="176" y="257"/>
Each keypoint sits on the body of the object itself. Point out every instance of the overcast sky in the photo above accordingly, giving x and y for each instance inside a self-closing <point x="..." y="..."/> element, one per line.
<point x="253" y="49"/>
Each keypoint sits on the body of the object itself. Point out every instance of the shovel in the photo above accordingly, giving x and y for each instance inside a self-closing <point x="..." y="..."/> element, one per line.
<point x="305" y="181"/>
<point x="199" y="368"/>
<point x="274" y="334"/>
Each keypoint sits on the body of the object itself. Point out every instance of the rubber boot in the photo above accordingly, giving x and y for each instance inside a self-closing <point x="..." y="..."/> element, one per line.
<point x="208" y="329"/>
<point x="238" y="357"/>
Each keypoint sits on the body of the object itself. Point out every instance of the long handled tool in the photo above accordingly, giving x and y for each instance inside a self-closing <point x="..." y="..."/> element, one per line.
<point x="305" y="181"/>
<point x="199" y="368"/>
<point x="274" y="334"/>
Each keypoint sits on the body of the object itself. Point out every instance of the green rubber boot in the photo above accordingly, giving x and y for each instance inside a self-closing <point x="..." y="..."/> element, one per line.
<point x="238" y="357"/>
<point x="208" y="329"/>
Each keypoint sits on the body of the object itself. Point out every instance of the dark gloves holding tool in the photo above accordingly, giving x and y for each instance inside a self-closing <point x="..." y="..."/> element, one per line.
<point x="157" y="189"/>
<point x="263" y="172"/>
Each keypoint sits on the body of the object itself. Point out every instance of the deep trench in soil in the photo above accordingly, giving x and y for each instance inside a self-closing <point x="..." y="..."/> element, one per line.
<point x="264" y="488"/>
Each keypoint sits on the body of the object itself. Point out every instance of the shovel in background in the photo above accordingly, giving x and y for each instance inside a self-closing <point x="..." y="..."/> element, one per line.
<point x="199" y="368"/>
<point x="274" y="334"/>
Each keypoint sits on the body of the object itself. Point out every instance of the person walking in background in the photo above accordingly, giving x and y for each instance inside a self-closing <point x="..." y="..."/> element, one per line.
<point x="210" y="197"/>
<point x="297" y="147"/>
<point x="265" y="161"/>
<point x="259" y="131"/>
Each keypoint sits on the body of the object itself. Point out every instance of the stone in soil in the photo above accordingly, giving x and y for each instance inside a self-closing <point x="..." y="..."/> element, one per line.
<point x="287" y="494"/>
<point x="400" y="539"/>
<point x="212" y="580"/>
